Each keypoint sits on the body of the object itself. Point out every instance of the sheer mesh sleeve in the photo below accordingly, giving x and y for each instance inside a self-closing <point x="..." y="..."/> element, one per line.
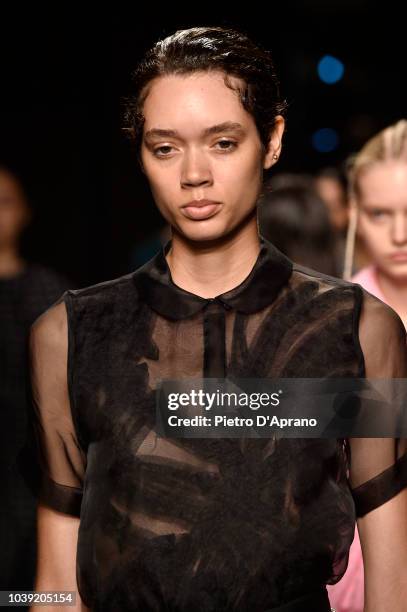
<point x="378" y="467"/>
<point x="61" y="457"/>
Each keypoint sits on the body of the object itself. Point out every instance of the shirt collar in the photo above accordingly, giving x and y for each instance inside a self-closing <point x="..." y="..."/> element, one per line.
<point x="270" y="272"/>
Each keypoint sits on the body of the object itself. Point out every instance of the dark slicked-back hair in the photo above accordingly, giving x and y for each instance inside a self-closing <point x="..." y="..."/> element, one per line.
<point x="210" y="49"/>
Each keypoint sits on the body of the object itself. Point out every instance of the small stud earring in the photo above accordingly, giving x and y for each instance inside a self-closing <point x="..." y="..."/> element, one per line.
<point x="275" y="156"/>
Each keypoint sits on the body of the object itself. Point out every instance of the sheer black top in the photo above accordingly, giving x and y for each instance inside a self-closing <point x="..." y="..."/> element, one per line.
<point x="207" y="524"/>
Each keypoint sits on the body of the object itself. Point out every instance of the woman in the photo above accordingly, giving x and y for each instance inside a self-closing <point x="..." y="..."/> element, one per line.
<point x="379" y="181"/>
<point x="295" y="219"/>
<point x="26" y="290"/>
<point x="378" y="184"/>
<point x="206" y="524"/>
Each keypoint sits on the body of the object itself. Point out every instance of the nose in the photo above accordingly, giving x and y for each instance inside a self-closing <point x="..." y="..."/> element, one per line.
<point x="195" y="171"/>
<point x="399" y="229"/>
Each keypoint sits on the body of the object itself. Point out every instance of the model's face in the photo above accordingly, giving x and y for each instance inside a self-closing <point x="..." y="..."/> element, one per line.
<point x="199" y="144"/>
<point x="383" y="215"/>
<point x="13" y="210"/>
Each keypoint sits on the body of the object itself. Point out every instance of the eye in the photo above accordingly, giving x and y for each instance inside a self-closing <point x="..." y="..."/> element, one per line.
<point x="162" y="151"/>
<point x="378" y="213"/>
<point x="230" y="145"/>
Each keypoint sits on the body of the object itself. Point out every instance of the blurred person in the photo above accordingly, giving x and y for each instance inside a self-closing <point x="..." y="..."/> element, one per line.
<point x="26" y="290"/>
<point x="379" y="192"/>
<point x="331" y="186"/>
<point x="294" y="218"/>
<point x="132" y="520"/>
<point x="378" y="195"/>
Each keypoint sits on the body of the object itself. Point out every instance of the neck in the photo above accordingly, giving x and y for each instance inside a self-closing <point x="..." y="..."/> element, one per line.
<point x="10" y="261"/>
<point x="211" y="268"/>
<point x="395" y="292"/>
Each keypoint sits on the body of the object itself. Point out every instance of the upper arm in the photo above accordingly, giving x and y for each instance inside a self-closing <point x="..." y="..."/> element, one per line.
<point x="61" y="457"/>
<point x="62" y="460"/>
<point x="378" y="469"/>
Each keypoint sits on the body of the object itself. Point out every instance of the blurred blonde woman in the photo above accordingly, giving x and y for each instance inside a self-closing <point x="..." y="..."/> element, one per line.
<point x="378" y="196"/>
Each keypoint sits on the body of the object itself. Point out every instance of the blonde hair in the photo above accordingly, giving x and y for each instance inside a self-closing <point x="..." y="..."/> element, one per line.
<point x="388" y="145"/>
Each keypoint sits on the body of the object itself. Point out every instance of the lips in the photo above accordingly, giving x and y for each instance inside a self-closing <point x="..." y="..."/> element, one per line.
<point x="199" y="210"/>
<point x="400" y="256"/>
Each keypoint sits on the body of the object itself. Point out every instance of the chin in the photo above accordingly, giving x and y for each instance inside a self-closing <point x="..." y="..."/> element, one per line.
<point x="204" y="231"/>
<point x="399" y="273"/>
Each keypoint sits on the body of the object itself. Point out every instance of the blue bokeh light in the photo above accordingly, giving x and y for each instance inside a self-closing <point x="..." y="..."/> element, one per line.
<point x="330" y="69"/>
<point x="325" y="140"/>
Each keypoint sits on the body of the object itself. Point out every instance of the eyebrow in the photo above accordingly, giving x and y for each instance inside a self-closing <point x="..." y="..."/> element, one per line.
<point x="226" y="126"/>
<point x="376" y="205"/>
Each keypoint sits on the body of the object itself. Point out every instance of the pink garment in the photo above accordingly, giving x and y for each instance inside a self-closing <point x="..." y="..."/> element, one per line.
<point x="348" y="594"/>
<point x="367" y="278"/>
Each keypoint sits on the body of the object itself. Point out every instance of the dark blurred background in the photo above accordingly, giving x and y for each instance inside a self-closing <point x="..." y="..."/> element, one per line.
<point x="63" y="75"/>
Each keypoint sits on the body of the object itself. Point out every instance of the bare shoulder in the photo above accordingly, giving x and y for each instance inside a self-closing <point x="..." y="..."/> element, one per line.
<point x="50" y="329"/>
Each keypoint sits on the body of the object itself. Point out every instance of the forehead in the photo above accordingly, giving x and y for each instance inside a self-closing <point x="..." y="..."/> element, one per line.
<point x="384" y="183"/>
<point x="190" y="102"/>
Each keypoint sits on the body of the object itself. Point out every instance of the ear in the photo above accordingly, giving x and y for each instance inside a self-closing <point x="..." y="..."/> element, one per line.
<point x="275" y="143"/>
